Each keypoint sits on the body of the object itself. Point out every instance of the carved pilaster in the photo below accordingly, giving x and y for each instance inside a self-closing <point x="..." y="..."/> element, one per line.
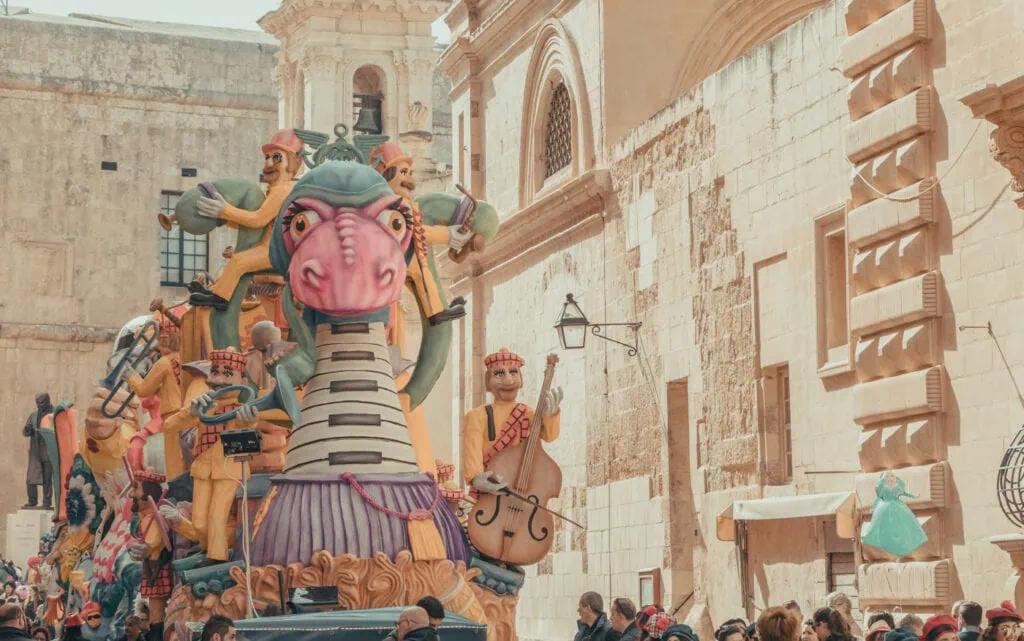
<point x="1002" y="106"/>
<point x="1013" y="544"/>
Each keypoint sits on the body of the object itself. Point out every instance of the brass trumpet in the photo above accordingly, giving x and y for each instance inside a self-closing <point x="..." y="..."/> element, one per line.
<point x="114" y="380"/>
<point x="167" y="222"/>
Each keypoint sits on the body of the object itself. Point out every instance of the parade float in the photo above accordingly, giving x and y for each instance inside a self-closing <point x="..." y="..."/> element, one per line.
<point x="268" y="435"/>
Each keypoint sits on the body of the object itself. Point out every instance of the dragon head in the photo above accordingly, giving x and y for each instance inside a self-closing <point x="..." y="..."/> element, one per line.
<point x="341" y="237"/>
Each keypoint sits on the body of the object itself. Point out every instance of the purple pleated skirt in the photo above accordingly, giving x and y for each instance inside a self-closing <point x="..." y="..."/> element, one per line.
<point x="312" y="513"/>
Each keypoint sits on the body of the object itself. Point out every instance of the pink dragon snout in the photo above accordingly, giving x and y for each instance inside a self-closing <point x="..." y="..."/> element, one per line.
<point x="349" y="267"/>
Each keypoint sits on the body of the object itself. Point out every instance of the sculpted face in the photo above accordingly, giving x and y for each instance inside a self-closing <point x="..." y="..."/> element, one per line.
<point x="404" y="183"/>
<point x="222" y="376"/>
<point x="279" y="166"/>
<point x="347" y="261"/>
<point x="505" y="382"/>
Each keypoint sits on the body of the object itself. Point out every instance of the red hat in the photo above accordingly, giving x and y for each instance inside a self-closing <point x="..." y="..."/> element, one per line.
<point x="73" y="620"/>
<point x="285" y="140"/>
<point x="936" y="625"/>
<point x="388" y="155"/>
<point x="228" y="358"/>
<point x="1005" y="612"/>
<point x="503" y="358"/>
<point x="89" y="609"/>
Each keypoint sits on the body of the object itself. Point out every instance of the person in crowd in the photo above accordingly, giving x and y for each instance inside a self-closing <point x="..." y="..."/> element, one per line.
<point x="732" y="630"/>
<point x="913" y="622"/>
<point x="969" y="621"/>
<point x="794" y="607"/>
<point x="9" y="588"/>
<point x="435" y="611"/>
<point x="133" y="629"/>
<point x="841" y="601"/>
<point x="807" y="632"/>
<point x="72" y="628"/>
<point x="877" y="629"/>
<point x="414" y="625"/>
<point x="1003" y="623"/>
<point x="592" y="625"/>
<point x="12" y="623"/>
<point x="941" y="627"/>
<point x="679" y="632"/>
<point x="41" y="634"/>
<point x="653" y="621"/>
<point x="272" y="610"/>
<point x="830" y="625"/>
<point x="778" y="624"/>
<point x="622" y="616"/>
<point x="218" y="628"/>
<point x="882" y="616"/>
<point x="752" y="632"/>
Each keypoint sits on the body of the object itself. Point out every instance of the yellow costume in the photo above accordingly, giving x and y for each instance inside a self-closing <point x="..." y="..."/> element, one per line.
<point x="256" y="258"/>
<point x="164" y="381"/>
<point x="104" y="455"/>
<point x="475" y="441"/>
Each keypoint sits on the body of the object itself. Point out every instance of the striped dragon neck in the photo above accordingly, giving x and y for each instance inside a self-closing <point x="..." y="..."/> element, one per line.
<point x="352" y="420"/>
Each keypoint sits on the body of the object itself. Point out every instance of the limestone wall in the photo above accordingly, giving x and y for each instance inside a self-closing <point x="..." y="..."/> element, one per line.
<point x="79" y="251"/>
<point x="737" y="234"/>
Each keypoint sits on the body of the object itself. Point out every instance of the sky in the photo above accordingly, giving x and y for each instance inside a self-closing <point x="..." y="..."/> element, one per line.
<point x="239" y="14"/>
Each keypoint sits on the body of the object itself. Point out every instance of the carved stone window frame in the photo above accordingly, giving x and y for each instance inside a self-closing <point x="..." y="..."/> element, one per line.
<point x="555" y="61"/>
<point x="829" y="223"/>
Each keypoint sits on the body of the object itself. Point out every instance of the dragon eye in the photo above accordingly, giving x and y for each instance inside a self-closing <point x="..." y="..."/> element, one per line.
<point x="394" y="220"/>
<point x="302" y="223"/>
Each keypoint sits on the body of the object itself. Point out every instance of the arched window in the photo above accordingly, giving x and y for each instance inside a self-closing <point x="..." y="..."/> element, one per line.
<point x="368" y="92"/>
<point x="558" y="137"/>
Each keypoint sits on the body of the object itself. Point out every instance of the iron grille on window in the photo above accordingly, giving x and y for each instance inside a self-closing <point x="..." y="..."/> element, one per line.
<point x="182" y="255"/>
<point x="558" y="143"/>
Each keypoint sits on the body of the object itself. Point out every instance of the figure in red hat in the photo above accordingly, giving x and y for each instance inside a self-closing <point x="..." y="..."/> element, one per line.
<point x="391" y="162"/>
<point x="488" y="429"/>
<point x="152" y="546"/>
<point x="1005" y="621"/>
<point x="215" y="477"/>
<point x="940" y="628"/>
<point x="282" y="162"/>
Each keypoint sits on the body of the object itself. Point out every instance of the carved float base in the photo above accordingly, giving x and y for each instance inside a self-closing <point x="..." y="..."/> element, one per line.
<point x="362" y="584"/>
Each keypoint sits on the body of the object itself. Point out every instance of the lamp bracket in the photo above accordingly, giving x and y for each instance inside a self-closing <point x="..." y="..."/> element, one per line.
<point x="595" y="329"/>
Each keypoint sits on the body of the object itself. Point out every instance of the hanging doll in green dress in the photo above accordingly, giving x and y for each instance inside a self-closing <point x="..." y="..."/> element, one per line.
<point x="893" y="527"/>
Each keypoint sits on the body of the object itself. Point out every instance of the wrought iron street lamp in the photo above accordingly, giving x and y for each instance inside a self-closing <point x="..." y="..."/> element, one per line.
<point x="572" y="328"/>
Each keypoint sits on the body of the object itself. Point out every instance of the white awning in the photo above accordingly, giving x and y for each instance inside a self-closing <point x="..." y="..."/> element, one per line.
<point x="841" y="504"/>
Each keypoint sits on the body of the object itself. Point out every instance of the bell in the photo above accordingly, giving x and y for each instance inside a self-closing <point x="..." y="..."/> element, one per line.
<point x="367" y="122"/>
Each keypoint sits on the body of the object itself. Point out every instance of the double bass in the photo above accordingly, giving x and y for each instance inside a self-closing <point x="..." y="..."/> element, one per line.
<point x="513" y="530"/>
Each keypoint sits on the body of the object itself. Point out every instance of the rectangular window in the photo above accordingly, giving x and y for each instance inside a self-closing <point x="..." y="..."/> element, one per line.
<point x="777" y="425"/>
<point x="182" y="255"/>
<point x="832" y="269"/>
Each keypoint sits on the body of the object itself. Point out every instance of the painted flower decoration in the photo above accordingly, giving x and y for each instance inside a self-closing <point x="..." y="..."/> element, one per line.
<point x="81" y="503"/>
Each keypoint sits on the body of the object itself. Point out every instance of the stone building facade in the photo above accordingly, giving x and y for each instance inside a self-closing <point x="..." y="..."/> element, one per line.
<point x="821" y="248"/>
<point x="103" y="121"/>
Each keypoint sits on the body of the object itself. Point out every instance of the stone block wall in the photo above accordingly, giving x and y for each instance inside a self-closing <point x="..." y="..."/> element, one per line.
<point x="79" y="246"/>
<point x="741" y="232"/>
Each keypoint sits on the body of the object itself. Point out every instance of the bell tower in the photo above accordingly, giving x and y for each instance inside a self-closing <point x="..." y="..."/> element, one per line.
<point x="369" y="64"/>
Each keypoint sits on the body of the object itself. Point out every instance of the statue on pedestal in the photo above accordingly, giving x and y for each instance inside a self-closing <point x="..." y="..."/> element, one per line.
<point x="39" y="468"/>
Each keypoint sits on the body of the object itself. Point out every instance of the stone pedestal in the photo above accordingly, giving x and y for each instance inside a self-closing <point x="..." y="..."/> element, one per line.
<point x="24" y="528"/>
<point x="1013" y="544"/>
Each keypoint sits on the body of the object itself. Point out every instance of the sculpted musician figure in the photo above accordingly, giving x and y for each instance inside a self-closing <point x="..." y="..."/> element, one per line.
<point x="163" y="382"/>
<point x="152" y="545"/>
<point x="281" y="164"/>
<point x="215" y="477"/>
<point x="489" y="429"/>
<point x="396" y="167"/>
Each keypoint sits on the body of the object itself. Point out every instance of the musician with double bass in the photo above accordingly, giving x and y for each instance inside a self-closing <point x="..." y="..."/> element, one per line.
<point x="490" y="429"/>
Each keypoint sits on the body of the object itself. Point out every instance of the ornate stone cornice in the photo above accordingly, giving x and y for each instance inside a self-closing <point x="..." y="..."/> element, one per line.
<point x="1003" y="105"/>
<point x="293" y="13"/>
<point x="320" y="61"/>
<point x="542" y="222"/>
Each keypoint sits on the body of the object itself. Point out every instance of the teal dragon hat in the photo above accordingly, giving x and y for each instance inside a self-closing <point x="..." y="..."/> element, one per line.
<point x="337" y="183"/>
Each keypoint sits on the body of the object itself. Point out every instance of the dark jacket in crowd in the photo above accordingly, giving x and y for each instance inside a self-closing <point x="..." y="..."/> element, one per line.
<point x="969" y="635"/>
<point x="600" y="631"/>
<point x="422" y="634"/>
<point x="12" y="634"/>
<point x="631" y="633"/>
